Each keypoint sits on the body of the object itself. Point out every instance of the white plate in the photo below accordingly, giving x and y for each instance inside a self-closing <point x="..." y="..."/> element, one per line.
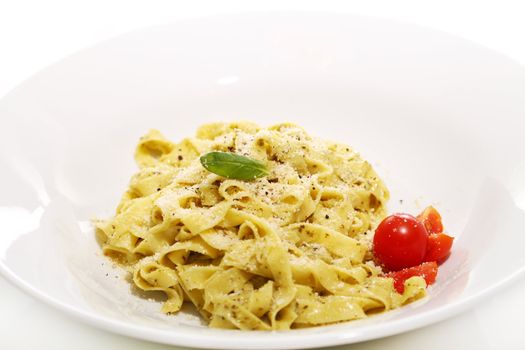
<point x="440" y="117"/>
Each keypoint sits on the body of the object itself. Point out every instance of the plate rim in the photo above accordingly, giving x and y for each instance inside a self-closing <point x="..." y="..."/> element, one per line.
<point x="285" y="340"/>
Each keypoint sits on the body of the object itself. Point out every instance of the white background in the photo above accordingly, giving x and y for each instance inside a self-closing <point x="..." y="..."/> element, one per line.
<point x="34" y="34"/>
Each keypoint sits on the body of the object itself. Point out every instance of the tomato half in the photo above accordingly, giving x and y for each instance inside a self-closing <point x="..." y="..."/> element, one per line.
<point x="431" y="219"/>
<point x="400" y="241"/>
<point x="427" y="270"/>
<point x="438" y="247"/>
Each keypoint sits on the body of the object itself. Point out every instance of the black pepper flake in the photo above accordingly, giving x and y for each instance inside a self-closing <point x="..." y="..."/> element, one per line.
<point x="327" y="216"/>
<point x="180" y="157"/>
<point x="158" y="189"/>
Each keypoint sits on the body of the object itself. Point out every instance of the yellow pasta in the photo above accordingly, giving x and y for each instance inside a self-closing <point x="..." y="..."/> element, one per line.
<point x="287" y="250"/>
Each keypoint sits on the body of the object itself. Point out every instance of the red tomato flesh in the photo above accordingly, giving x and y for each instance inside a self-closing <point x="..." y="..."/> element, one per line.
<point x="438" y="247"/>
<point x="431" y="219"/>
<point x="427" y="270"/>
<point x="400" y="241"/>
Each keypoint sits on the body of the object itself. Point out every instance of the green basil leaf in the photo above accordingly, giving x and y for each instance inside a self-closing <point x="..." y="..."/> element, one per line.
<point x="233" y="166"/>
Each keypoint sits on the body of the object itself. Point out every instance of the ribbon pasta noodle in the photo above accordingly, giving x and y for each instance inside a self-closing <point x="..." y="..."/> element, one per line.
<point x="289" y="250"/>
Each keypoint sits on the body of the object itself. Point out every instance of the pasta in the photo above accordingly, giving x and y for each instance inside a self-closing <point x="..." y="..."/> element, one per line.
<point x="288" y="250"/>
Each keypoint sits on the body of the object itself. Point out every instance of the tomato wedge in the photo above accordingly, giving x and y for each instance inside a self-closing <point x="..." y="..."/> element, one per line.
<point x="431" y="219"/>
<point x="438" y="247"/>
<point x="427" y="270"/>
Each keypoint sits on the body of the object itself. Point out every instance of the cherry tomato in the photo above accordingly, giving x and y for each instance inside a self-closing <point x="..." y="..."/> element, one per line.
<point x="431" y="219"/>
<point x="427" y="270"/>
<point x="400" y="241"/>
<point x="438" y="247"/>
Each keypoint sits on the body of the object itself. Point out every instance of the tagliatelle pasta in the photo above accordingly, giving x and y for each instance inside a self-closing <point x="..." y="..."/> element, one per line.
<point x="290" y="249"/>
